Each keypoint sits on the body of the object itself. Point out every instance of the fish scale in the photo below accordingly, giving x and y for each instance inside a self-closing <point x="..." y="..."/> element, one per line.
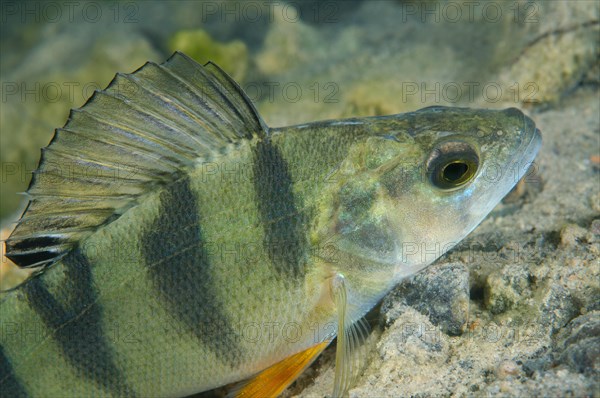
<point x="231" y="225"/>
<point x="239" y="253"/>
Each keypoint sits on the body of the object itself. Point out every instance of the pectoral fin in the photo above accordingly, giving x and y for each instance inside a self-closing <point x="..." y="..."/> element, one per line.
<point x="146" y="129"/>
<point x="272" y="381"/>
<point x="349" y="357"/>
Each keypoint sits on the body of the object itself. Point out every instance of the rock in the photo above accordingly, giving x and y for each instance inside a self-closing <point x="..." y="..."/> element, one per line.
<point x="287" y="42"/>
<point x="578" y="344"/>
<point x="441" y="292"/>
<point x="571" y="235"/>
<point x="559" y="52"/>
<point x="557" y="308"/>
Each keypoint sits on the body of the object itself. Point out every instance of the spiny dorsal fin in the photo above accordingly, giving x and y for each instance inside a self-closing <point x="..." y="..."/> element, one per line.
<point x="144" y="129"/>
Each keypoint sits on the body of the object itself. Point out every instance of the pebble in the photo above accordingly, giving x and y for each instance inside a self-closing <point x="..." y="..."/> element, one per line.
<point x="506" y="369"/>
<point x="506" y="287"/>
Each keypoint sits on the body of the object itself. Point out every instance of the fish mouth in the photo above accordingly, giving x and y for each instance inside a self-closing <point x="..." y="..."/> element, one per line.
<point x="533" y="146"/>
<point x="524" y="158"/>
<point x="521" y="161"/>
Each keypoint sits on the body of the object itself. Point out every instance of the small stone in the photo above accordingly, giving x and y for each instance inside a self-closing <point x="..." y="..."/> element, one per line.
<point x="505" y="288"/>
<point x="506" y="388"/>
<point x="506" y="369"/>
<point x="595" y="201"/>
<point x="595" y="227"/>
<point x="571" y="235"/>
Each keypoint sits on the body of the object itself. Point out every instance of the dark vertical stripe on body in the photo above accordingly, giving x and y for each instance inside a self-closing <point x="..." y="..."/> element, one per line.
<point x="77" y="326"/>
<point x="9" y="384"/>
<point x="282" y="223"/>
<point x="179" y="267"/>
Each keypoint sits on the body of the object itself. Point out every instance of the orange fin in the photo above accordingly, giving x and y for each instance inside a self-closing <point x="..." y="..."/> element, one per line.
<point x="272" y="381"/>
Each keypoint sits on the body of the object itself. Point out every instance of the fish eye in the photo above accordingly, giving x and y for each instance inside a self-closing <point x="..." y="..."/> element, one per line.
<point x="452" y="164"/>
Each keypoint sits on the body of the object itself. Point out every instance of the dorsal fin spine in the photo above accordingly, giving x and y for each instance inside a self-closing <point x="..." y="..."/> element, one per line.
<point x="253" y="112"/>
<point x="201" y="121"/>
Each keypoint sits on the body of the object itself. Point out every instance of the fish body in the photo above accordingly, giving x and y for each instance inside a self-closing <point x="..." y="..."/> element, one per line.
<point x="190" y="246"/>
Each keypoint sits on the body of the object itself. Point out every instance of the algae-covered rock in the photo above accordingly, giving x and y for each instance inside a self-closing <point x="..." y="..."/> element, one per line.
<point x="231" y="57"/>
<point x="290" y="43"/>
<point x="401" y="85"/>
<point x="561" y="52"/>
<point x="496" y="55"/>
<point x="506" y="288"/>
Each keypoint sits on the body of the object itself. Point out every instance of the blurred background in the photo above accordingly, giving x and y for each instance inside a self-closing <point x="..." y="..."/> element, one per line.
<point x="302" y="61"/>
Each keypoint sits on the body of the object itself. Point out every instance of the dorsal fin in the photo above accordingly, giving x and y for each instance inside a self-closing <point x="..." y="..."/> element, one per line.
<point x="143" y="129"/>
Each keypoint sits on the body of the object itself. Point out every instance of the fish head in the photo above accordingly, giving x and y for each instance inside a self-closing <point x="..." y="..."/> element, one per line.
<point x="418" y="183"/>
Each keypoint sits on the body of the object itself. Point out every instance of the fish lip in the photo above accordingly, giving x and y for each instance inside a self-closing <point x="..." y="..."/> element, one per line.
<point x="531" y="147"/>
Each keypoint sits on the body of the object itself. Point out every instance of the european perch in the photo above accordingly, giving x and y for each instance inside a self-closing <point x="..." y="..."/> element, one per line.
<point x="183" y="245"/>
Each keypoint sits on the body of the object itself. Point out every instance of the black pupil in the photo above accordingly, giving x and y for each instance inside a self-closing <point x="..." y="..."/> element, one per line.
<point x="455" y="171"/>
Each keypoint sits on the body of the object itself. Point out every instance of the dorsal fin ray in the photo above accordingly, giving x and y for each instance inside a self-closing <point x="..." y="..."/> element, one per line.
<point x="144" y="129"/>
